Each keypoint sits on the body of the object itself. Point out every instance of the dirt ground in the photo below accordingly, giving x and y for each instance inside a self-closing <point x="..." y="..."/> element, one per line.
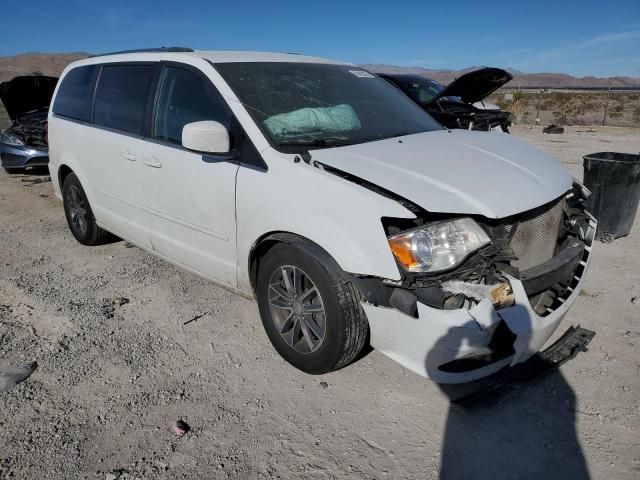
<point x="117" y="366"/>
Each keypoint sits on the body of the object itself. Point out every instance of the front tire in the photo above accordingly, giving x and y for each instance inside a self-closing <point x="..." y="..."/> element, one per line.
<point x="79" y="215"/>
<point x="312" y="316"/>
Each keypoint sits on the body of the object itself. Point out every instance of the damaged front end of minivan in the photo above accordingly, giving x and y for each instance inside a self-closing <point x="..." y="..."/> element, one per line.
<point x="495" y="305"/>
<point x="490" y="263"/>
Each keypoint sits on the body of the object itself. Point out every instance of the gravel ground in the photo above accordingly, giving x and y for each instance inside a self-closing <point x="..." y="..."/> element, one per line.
<point x="118" y="366"/>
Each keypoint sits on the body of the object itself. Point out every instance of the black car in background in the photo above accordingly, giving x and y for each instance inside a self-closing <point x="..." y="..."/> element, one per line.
<point x="24" y="143"/>
<point x="459" y="104"/>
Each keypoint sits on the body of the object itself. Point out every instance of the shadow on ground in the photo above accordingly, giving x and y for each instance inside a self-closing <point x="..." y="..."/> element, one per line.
<point x="530" y="434"/>
<point x="524" y="425"/>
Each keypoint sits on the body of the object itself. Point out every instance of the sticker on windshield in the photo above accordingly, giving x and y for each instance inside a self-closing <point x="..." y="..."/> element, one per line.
<point x="361" y="74"/>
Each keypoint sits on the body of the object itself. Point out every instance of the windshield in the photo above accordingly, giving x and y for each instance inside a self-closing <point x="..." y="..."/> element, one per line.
<point x="323" y="105"/>
<point x="422" y="90"/>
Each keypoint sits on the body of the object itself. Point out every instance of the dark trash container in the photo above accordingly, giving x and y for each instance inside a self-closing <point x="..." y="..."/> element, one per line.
<point x="614" y="181"/>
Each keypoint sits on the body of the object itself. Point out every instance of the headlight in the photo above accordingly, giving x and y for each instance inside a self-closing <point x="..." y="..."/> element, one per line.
<point x="437" y="246"/>
<point x="10" y="139"/>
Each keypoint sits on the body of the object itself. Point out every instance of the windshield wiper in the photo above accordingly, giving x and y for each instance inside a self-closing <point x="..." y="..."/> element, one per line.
<point x="316" y="142"/>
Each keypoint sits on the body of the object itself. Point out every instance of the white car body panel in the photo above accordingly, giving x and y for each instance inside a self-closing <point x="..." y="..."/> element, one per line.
<point x="195" y="226"/>
<point x="456" y="171"/>
<point x="319" y="206"/>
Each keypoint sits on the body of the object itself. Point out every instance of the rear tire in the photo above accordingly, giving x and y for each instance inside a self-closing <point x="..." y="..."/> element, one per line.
<point x="290" y="309"/>
<point x="79" y="215"/>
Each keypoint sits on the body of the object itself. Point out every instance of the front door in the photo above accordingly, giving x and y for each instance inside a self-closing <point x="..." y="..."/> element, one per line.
<point x="188" y="199"/>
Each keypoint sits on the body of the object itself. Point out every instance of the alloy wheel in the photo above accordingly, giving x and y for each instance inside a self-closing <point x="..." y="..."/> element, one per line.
<point x="77" y="210"/>
<point x="297" y="309"/>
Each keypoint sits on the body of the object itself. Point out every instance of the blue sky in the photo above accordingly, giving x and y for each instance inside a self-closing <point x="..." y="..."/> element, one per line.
<point x="577" y="37"/>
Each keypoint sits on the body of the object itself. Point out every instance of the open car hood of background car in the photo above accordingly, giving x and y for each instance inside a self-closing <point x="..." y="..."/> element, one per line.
<point x="27" y="93"/>
<point x="476" y="85"/>
<point x="457" y="171"/>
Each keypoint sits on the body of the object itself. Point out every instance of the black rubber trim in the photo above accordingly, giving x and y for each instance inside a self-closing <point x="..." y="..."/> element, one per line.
<point x="559" y="269"/>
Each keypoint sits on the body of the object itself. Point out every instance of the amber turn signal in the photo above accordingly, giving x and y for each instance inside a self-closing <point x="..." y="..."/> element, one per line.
<point x="403" y="251"/>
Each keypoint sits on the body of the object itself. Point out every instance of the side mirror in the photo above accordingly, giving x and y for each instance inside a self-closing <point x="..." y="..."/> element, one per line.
<point x="206" y="137"/>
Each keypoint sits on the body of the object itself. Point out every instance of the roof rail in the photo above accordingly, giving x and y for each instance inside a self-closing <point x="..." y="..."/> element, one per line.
<point x="142" y="50"/>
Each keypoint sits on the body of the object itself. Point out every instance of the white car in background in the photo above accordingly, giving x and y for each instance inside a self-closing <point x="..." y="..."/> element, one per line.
<point x="326" y="194"/>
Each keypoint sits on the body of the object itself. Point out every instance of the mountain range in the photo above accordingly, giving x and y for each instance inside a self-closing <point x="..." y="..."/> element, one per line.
<point x="53" y="64"/>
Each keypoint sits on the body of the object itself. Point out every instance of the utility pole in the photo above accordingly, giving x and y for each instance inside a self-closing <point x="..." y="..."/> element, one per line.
<point x="606" y="104"/>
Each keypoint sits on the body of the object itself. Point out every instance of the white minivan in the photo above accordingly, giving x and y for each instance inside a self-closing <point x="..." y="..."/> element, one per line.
<point x="323" y="192"/>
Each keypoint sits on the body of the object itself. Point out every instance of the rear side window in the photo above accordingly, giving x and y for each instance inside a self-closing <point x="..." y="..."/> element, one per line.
<point x="122" y="97"/>
<point x="75" y="93"/>
<point x="186" y="97"/>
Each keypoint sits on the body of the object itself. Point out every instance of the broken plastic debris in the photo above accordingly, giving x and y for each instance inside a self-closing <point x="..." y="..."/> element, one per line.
<point x="500" y="294"/>
<point x="15" y="375"/>
<point x="477" y="291"/>
<point x="33" y="181"/>
<point x="553" y="129"/>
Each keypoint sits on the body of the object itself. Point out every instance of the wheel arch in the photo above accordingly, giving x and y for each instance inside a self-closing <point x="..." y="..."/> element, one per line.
<point x="269" y="240"/>
<point x="64" y="171"/>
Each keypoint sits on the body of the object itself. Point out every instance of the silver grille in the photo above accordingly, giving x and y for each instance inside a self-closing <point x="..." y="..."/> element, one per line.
<point x="534" y="240"/>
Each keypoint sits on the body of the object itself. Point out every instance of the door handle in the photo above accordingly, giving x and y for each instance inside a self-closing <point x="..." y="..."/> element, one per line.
<point x="128" y="155"/>
<point x="152" y="162"/>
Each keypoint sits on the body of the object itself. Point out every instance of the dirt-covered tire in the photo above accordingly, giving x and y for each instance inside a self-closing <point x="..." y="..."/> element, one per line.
<point x="79" y="215"/>
<point x="322" y="342"/>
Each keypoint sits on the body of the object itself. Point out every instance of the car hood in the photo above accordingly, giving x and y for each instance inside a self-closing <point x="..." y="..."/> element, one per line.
<point x="27" y="93"/>
<point x="457" y="171"/>
<point x="476" y="85"/>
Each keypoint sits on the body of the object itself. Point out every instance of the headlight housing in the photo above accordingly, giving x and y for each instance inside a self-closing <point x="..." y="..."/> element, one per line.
<point x="437" y="246"/>
<point x="9" y="138"/>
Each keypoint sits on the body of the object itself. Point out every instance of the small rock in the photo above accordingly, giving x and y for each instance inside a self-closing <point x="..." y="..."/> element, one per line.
<point x="16" y="375"/>
<point x="324" y="384"/>
<point x="181" y="428"/>
<point x="635" y="300"/>
<point x="110" y="476"/>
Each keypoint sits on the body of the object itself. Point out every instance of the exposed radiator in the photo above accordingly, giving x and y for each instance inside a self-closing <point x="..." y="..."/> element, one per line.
<point x="534" y="240"/>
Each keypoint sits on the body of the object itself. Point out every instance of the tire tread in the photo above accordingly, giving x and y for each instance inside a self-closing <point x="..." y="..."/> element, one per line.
<point x="356" y="325"/>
